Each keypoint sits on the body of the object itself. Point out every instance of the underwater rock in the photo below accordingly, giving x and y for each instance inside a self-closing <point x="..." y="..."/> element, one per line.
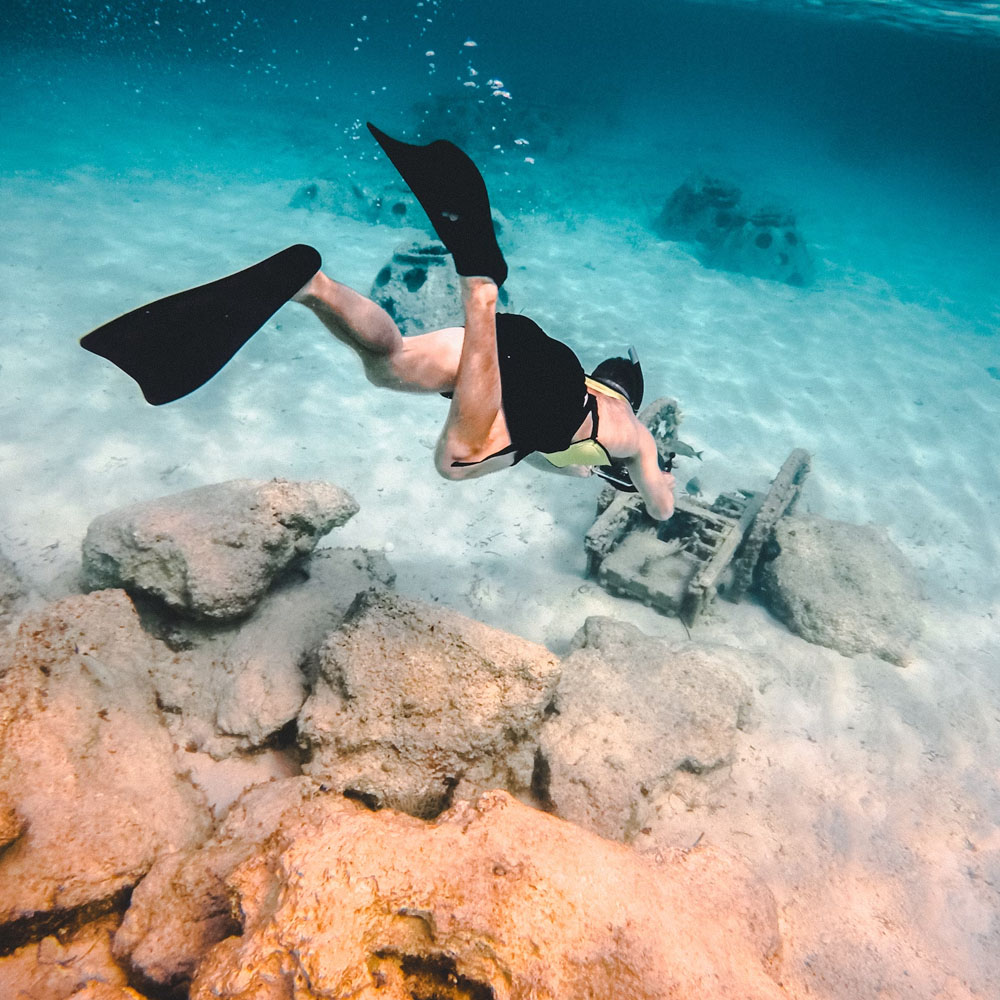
<point x="103" y="991"/>
<point x="495" y="899"/>
<point x="419" y="289"/>
<point x="230" y="688"/>
<point x="11" y="824"/>
<point x="212" y="552"/>
<point x="845" y="586"/>
<point x="416" y="705"/>
<point x="182" y="907"/>
<point x="390" y="204"/>
<point x="630" y="714"/>
<point x="762" y="243"/>
<point x="78" y="966"/>
<point x="12" y="589"/>
<point x="86" y="765"/>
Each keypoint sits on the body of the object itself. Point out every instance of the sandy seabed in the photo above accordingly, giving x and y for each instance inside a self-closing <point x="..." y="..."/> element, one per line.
<point x="868" y="797"/>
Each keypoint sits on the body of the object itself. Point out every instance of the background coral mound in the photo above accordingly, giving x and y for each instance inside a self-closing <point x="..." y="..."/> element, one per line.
<point x="845" y="586"/>
<point x="212" y="552"/>
<point x="494" y="900"/>
<point x="761" y="242"/>
<point x="418" y="287"/>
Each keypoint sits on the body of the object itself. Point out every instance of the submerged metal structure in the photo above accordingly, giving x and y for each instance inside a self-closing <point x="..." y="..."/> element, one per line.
<point x="680" y="565"/>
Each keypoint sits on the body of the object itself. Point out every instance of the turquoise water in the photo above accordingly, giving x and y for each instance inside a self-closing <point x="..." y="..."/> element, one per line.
<point x="894" y="124"/>
<point x="826" y="110"/>
<point x="153" y="146"/>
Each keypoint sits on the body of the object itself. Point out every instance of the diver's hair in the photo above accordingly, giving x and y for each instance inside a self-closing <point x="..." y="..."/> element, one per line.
<point x="623" y="375"/>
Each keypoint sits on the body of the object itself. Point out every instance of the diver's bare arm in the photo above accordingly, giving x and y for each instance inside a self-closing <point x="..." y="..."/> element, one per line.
<point x="655" y="486"/>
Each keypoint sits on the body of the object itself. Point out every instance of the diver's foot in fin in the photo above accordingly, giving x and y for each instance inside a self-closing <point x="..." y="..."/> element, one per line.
<point x="175" y="345"/>
<point x="453" y="194"/>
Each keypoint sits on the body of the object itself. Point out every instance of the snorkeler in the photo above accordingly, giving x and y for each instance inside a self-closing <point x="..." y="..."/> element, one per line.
<point x="515" y="393"/>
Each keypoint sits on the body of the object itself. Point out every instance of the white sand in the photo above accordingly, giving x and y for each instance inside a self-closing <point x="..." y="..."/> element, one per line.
<point x="869" y="796"/>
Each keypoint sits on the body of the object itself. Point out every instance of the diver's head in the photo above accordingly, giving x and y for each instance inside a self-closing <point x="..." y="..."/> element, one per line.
<point x="624" y="375"/>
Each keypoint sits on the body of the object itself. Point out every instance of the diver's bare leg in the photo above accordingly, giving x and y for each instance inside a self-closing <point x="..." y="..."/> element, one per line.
<point x="426" y="362"/>
<point x="475" y="428"/>
<point x="350" y="317"/>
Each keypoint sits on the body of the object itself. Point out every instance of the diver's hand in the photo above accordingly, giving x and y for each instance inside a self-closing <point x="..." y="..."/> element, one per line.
<point x="655" y="486"/>
<point x="667" y="493"/>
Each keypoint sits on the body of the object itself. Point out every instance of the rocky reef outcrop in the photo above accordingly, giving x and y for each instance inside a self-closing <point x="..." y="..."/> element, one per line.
<point x="845" y="586"/>
<point x="234" y="687"/>
<point x="409" y="851"/>
<point x="492" y="899"/>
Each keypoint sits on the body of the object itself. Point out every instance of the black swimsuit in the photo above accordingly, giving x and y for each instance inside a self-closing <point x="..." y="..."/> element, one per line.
<point x="545" y="398"/>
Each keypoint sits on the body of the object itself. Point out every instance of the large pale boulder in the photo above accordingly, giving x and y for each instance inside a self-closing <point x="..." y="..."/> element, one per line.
<point x="90" y="794"/>
<point x="182" y="907"/>
<point x="845" y="586"/>
<point x="212" y="552"/>
<point x="632" y="714"/>
<point x="229" y="687"/>
<point x="416" y="705"/>
<point x="496" y="899"/>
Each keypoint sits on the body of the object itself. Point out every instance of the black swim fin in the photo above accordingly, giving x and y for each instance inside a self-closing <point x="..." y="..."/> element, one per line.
<point x="453" y="194"/>
<point x="175" y="345"/>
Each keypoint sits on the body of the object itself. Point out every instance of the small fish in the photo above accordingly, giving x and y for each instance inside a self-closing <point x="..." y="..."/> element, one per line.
<point x="682" y="448"/>
<point x="693" y="486"/>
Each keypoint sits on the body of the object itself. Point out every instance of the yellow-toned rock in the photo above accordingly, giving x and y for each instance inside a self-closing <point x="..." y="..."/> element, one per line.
<point x="495" y="899"/>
